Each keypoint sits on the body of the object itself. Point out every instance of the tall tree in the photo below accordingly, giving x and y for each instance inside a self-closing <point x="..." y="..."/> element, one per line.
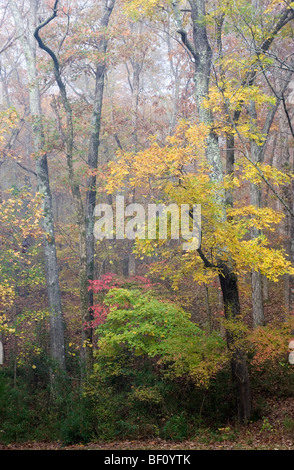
<point x="201" y="51"/>
<point x="29" y="48"/>
<point x="84" y="210"/>
<point x="93" y="152"/>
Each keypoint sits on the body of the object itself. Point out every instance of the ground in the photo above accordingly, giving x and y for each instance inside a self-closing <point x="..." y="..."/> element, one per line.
<point x="274" y="431"/>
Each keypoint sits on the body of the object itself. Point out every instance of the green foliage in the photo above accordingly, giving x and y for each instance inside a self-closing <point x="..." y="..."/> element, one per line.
<point x="14" y="412"/>
<point x="140" y="404"/>
<point x="153" y="369"/>
<point x="176" y="427"/>
<point x="78" y="426"/>
<point x="30" y="409"/>
<point x="140" y="324"/>
<point x="288" y="425"/>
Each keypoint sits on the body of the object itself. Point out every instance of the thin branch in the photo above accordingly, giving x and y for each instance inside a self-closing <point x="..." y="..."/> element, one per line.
<point x="28" y="170"/>
<point x="65" y="34"/>
<point x="184" y="36"/>
<point x="47" y="49"/>
<point x="287" y="115"/>
<point x="263" y="177"/>
<point x="206" y="262"/>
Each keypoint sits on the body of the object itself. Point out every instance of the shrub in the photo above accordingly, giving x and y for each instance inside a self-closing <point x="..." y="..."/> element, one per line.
<point x="15" y="414"/>
<point x="140" y="324"/>
<point x="152" y="367"/>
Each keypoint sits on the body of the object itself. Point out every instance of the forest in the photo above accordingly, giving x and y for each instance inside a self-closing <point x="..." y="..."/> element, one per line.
<point x="147" y="224"/>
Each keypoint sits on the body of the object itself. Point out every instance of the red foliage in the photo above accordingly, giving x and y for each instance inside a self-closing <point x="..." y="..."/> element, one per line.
<point x="104" y="285"/>
<point x="100" y="312"/>
<point x="107" y="281"/>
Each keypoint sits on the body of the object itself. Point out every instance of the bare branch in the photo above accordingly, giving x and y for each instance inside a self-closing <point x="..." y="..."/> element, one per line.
<point x="28" y="170"/>
<point x="287" y="115"/>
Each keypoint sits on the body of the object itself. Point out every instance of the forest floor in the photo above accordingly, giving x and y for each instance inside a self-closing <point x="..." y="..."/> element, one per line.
<point x="274" y="431"/>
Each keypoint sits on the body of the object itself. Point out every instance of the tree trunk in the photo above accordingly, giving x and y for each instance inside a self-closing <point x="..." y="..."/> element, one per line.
<point x="75" y="188"/>
<point x="230" y="165"/>
<point x="56" y="319"/>
<point x="265" y="288"/>
<point x="208" y="309"/>
<point x="57" y="346"/>
<point x="240" y="376"/>
<point x="257" y="299"/>
<point x="87" y="334"/>
<point x="228" y="279"/>
<point x="1" y="350"/>
<point x="255" y="196"/>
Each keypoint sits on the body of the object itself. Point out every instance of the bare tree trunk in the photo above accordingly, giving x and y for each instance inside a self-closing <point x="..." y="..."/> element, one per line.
<point x="56" y="318"/>
<point x="175" y="72"/>
<point x="74" y="185"/>
<point x="1" y="350"/>
<point x="256" y="195"/>
<point x="134" y="79"/>
<point x="265" y="288"/>
<point x="87" y="334"/>
<point x="284" y="159"/>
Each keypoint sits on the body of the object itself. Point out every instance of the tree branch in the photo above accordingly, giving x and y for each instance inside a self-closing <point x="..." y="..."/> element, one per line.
<point x="287" y="115"/>
<point x="206" y="262"/>
<point x="28" y="170"/>
<point x="189" y="46"/>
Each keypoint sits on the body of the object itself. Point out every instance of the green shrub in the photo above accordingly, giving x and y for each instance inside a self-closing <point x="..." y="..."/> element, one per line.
<point x="77" y="427"/>
<point x="152" y="370"/>
<point x="15" y="414"/>
<point x="141" y="325"/>
<point x="288" y="425"/>
<point x="176" y="428"/>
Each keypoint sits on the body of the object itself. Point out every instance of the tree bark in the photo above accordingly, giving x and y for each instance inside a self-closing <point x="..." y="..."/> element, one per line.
<point x="240" y="375"/>
<point x="1" y="350"/>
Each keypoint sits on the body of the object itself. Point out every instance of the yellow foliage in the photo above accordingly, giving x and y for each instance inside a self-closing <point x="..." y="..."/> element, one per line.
<point x="180" y="172"/>
<point x="253" y="174"/>
<point x="140" y="8"/>
<point x="271" y="7"/>
<point x="157" y="162"/>
<point x="7" y="295"/>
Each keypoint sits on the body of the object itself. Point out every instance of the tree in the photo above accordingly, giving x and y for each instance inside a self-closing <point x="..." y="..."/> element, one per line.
<point x="223" y="240"/>
<point x="258" y="36"/>
<point x="56" y="318"/>
<point x="138" y="322"/>
<point x="202" y="54"/>
<point x="84" y="212"/>
<point x="21" y="268"/>
<point x="93" y="163"/>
